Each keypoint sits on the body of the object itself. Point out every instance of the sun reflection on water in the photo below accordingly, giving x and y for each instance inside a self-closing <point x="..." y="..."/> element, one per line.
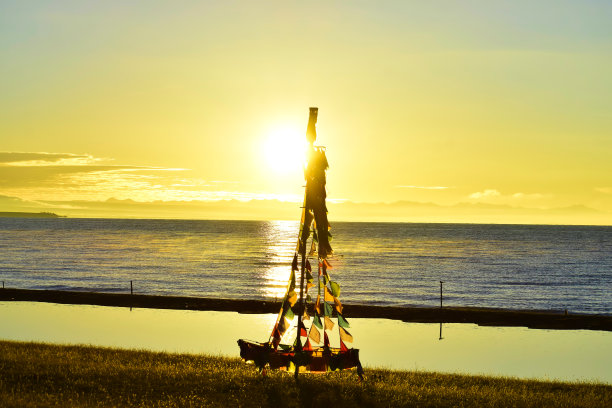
<point x="280" y="239"/>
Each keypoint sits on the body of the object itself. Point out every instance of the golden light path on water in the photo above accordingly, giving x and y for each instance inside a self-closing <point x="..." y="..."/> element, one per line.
<point x="281" y="241"/>
<point x="575" y="355"/>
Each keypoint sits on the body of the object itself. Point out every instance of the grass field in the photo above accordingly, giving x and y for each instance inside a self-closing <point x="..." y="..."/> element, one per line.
<point x="40" y="375"/>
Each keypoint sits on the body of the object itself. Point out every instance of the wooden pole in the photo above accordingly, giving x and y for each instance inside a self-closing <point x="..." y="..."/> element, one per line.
<point x="441" y="294"/>
<point x="131" y="288"/>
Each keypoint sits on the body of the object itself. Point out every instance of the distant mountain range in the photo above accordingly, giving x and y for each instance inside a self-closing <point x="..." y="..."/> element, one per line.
<point x="400" y="211"/>
<point x="16" y="214"/>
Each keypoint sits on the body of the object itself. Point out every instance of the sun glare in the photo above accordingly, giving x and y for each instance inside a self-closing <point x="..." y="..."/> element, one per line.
<point x="284" y="150"/>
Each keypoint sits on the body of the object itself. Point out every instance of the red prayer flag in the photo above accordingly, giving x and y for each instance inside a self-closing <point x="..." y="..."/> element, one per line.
<point x="343" y="346"/>
<point x="303" y="331"/>
<point x="294" y="264"/>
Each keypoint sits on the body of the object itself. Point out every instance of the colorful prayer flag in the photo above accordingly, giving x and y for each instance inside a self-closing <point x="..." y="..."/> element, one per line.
<point x="342" y="322"/>
<point x="314" y="334"/>
<point x="338" y="305"/>
<point x="328" y="323"/>
<point x="294" y="263"/>
<point x="345" y="336"/>
<point x="317" y="321"/>
<point x="309" y="285"/>
<point x="328" y="296"/>
<point x="283" y="325"/>
<point x="292" y="297"/>
<point x="328" y="309"/>
<point x="303" y="332"/>
<point x="288" y="314"/>
<point x="335" y="288"/>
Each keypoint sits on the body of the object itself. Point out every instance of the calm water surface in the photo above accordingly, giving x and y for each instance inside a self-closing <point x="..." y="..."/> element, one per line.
<point x="465" y="348"/>
<point x="503" y="266"/>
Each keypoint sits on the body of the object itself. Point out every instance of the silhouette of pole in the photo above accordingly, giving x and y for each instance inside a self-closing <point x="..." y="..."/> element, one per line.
<point x="131" y="288"/>
<point x="441" y="294"/>
<point x="311" y="136"/>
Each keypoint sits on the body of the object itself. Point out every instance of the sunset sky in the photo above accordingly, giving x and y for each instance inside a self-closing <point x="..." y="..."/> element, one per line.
<point x="502" y="106"/>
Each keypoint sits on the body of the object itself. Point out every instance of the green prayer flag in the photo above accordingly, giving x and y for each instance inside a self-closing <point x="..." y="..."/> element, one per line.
<point x="335" y="288"/>
<point x="317" y="321"/>
<point x="342" y="322"/>
<point x="289" y="314"/>
<point x="328" y="309"/>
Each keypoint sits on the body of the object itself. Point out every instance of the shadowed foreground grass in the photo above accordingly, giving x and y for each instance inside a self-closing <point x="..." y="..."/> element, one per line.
<point x="33" y="374"/>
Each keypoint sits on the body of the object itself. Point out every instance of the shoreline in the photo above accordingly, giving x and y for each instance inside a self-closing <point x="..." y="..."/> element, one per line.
<point x="480" y="316"/>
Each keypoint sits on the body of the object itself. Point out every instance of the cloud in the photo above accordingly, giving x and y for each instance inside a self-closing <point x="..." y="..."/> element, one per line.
<point x="489" y="193"/>
<point x="28" y="176"/>
<point x="533" y="196"/>
<point x="45" y="159"/>
<point x="495" y="196"/>
<point x="425" y="187"/>
<point x="604" y="190"/>
<point x="41" y="177"/>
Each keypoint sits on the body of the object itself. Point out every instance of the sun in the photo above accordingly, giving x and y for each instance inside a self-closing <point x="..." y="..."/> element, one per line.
<point x="284" y="150"/>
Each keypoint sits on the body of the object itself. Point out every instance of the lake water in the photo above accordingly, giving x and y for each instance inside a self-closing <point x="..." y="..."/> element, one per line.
<point x="501" y="266"/>
<point x="572" y="355"/>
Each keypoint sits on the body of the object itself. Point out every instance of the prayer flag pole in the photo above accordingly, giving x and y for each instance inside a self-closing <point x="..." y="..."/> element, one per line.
<point x="311" y="136"/>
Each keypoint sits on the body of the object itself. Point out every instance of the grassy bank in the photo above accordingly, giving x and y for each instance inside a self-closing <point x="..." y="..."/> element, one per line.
<point x="67" y="376"/>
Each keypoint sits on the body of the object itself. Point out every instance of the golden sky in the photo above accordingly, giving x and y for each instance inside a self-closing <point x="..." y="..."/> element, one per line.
<point x="504" y="103"/>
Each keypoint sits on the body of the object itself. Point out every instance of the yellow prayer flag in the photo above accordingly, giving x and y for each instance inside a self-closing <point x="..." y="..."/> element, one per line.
<point x="309" y="285"/>
<point x="292" y="298"/>
<point x="345" y="336"/>
<point x="306" y="316"/>
<point x="318" y="304"/>
<point x="328" y="323"/>
<point x="283" y="325"/>
<point x="338" y="305"/>
<point x="314" y="334"/>
<point x="328" y="296"/>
